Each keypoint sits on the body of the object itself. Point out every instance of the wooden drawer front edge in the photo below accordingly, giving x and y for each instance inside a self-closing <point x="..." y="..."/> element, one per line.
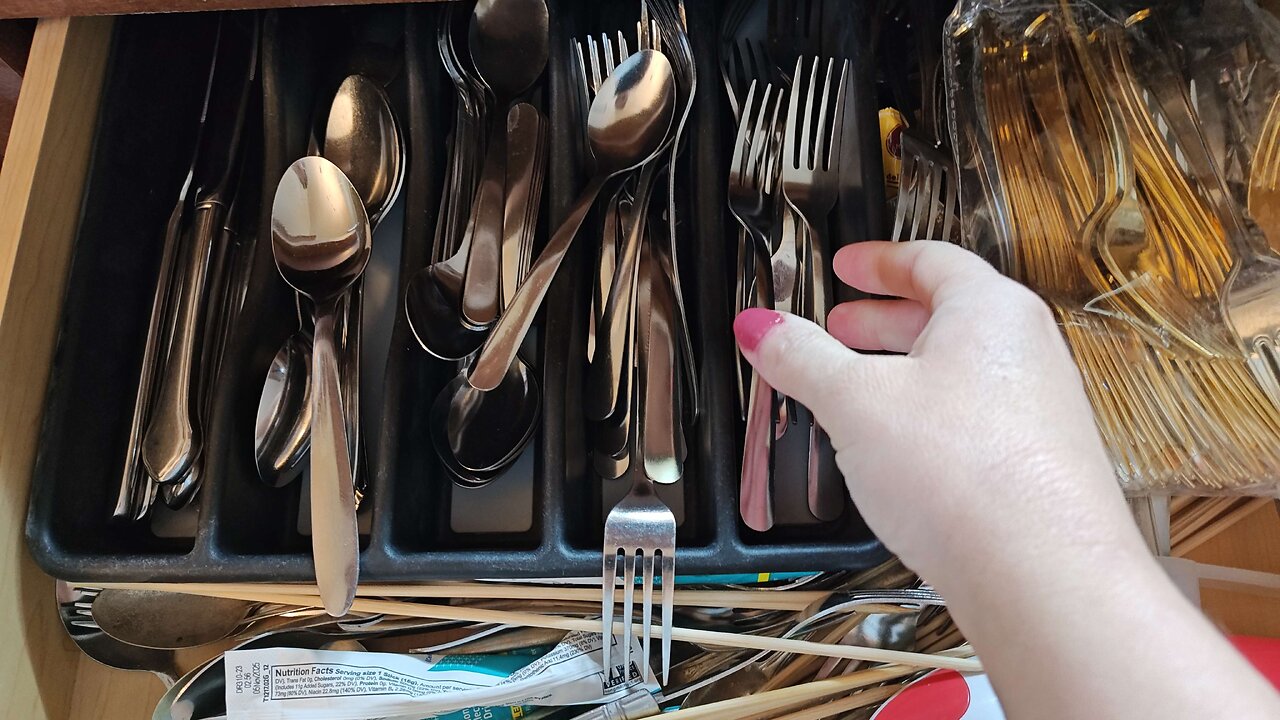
<point x="40" y="189"/>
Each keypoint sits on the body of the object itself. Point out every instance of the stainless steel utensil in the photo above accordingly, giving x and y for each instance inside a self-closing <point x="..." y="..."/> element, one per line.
<point x="174" y="437"/>
<point x="321" y="242"/>
<point x="753" y="192"/>
<point x="810" y="184"/>
<point x="928" y="187"/>
<point x="640" y="531"/>
<point x="163" y="620"/>
<point x="479" y="433"/>
<point x="629" y="120"/>
<point x="363" y="140"/>
<point x="74" y="610"/>
<point x="509" y="46"/>
<point x="282" y="431"/>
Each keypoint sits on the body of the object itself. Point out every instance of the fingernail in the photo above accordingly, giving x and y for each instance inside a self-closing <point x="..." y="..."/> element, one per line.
<point x="753" y="324"/>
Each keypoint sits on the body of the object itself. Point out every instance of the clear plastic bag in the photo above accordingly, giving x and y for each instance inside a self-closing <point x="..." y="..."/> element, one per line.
<point x="1105" y="153"/>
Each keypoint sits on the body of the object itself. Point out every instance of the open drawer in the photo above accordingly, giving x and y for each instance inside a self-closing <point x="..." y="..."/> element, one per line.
<point x="41" y="673"/>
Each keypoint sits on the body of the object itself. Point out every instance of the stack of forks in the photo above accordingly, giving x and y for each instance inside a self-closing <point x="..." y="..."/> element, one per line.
<point x="641" y="382"/>
<point x="784" y="180"/>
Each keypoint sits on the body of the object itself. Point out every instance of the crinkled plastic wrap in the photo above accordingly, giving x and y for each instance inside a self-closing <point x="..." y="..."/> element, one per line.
<point x="1108" y="155"/>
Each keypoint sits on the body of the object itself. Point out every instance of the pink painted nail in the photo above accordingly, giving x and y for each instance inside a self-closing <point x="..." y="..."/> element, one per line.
<point x="753" y="324"/>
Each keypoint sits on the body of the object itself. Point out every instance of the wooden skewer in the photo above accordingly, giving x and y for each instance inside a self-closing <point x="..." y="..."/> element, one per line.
<point x="786" y="698"/>
<point x="866" y="698"/>
<point x="795" y="600"/>
<point x="499" y="617"/>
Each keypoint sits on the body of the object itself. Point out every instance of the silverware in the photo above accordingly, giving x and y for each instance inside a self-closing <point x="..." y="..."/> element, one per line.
<point x="133" y="480"/>
<point x="810" y="185"/>
<point x="74" y="610"/>
<point x="282" y="430"/>
<point x="169" y="621"/>
<point x="509" y="43"/>
<point x="174" y="436"/>
<point x="321" y="242"/>
<point x="478" y="433"/>
<point x="363" y="140"/>
<point x="753" y="190"/>
<point x="629" y="120"/>
<point x="672" y="36"/>
<point x="928" y="188"/>
<point x="640" y="531"/>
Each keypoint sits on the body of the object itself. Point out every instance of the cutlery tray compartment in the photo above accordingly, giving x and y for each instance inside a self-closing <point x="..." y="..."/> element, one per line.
<point x="239" y="529"/>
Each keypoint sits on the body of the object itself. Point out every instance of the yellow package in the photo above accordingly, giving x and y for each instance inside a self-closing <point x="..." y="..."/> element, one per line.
<point x="892" y="123"/>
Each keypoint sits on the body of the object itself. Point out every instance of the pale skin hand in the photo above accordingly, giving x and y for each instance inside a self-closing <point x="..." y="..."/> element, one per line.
<point x="976" y="459"/>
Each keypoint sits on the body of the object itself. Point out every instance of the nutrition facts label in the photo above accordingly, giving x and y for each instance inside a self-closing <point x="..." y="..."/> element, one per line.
<point x="283" y="682"/>
<point x="287" y="683"/>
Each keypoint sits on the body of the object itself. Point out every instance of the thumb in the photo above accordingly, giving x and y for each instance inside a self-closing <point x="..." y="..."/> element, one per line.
<point x="801" y="360"/>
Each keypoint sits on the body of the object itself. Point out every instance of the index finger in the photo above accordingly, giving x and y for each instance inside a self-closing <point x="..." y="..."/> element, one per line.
<point x="926" y="271"/>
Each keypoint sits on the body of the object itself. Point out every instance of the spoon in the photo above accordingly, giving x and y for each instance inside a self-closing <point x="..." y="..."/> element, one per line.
<point x="282" y="433"/>
<point x="167" y="621"/>
<point x="321" y="241"/>
<point x="629" y="119"/>
<point x="201" y="693"/>
<point x="73" y="603"/>
<point x="509" y="46"/>
<point x="479" y="434"/>
<point x="362" y="139"/>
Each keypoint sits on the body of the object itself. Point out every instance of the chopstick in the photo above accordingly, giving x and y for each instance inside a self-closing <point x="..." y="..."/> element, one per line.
<point x="795" y="600"/>
<point x="499" y="617"/>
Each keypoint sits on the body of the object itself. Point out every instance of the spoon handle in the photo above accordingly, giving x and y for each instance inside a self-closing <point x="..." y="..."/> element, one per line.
<point x="334" y="537"/>
<point x="504" y="341"/>
<point x="482" y="285"/>
<point x="606" y="372"/>
<point x="173" y="439"/>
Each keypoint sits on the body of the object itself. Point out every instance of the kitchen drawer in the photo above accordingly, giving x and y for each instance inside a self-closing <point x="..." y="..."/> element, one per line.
<point x="42" y="675"/>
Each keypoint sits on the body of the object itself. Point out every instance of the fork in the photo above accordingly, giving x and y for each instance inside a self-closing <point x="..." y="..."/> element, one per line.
<point x="1264" y="179"/>
<point x="810" y="185"/>
<point x="928" y="169"/>
<point x="1250" y="297"/>
<point x="753" y="195"/>
<point x="743" y="60"/>
<point x="639" y="531"/>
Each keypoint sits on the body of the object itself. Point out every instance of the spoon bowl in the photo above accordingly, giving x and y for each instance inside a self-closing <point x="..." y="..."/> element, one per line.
<point x="433" y="306"/>
<point x="167" y="621"/>
<point x="282" y="433"/>
<point x="362" y="139"/>
<point x="509" y="44"/>
<point x="319" y="230"/>
<point x="485" y="432"/>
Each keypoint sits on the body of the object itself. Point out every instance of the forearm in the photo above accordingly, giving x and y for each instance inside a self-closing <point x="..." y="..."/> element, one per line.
<point x="1100" y="632"/>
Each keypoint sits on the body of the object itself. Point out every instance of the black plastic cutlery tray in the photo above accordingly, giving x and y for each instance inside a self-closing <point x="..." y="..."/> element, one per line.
<point x="239" y="529"/>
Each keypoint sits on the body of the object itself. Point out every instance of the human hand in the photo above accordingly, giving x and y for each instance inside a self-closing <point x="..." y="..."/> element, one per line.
<point x="978" y="446"/>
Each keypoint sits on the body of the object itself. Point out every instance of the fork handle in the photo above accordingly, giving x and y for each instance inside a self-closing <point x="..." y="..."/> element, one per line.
<point x="755" y="502"/>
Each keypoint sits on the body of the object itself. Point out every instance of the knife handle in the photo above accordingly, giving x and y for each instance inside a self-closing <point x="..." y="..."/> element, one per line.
<point x="174" y="438"/>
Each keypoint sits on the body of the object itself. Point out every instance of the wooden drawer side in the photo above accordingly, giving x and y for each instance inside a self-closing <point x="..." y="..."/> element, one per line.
<point x="40" y="188"/>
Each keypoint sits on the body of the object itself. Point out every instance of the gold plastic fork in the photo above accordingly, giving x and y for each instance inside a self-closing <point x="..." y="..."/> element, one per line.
<point x="1264" y="180"/>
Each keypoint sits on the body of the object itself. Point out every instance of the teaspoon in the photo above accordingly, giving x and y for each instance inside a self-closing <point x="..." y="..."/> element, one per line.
<point x="626" y="126"/>
<point x="321" y="242"/>
<point x="509" y="47"/>
<point x="362" y="139"/>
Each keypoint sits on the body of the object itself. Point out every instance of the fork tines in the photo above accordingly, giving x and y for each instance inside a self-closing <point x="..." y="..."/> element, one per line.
<point x="928" y="194"/>
<point x="814" y="116"/>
